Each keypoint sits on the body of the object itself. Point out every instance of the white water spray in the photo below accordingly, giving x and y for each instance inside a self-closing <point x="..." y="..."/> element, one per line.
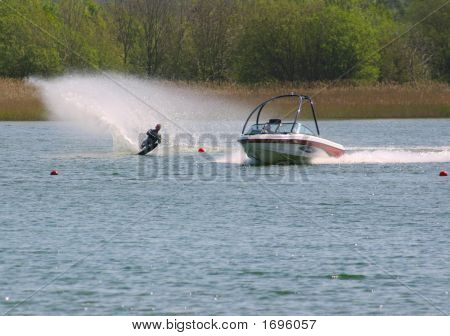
<point x="127" y="106"/>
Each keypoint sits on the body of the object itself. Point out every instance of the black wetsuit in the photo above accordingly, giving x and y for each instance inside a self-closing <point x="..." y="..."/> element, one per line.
<point x="153" y="138"/>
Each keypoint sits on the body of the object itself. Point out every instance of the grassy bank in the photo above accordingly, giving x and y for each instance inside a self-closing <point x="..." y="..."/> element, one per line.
<point x="21" y="101"/>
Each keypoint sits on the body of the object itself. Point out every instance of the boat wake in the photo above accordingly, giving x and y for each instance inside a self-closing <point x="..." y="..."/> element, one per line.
<point x="235" y="156"/>
<point x="368" y="155"/>
<point x="380" y="155"/>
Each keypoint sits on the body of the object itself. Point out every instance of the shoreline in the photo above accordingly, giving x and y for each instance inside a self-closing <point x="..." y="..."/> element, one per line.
<point x="20" y="100"/>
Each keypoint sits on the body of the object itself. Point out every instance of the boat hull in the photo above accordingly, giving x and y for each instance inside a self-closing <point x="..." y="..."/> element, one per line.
<point x="288" y="148"/>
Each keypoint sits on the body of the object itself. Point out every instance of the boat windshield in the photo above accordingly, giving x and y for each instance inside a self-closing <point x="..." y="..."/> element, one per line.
<point x="279" y="128"/>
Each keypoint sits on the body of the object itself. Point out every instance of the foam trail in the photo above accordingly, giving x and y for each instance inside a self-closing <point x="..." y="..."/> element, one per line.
<point x="235" y="156"/>
<point x="127" y="106"/>
<point x="389" y="155"/>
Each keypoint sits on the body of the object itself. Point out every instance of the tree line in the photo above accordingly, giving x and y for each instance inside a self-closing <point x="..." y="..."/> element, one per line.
<point x="250" y="41"/>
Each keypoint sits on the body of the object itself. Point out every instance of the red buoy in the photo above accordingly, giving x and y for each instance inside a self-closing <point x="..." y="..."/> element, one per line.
<point x="201" y="150"/>
<point x="443" y="173"/>
<point x="54" y="172"/>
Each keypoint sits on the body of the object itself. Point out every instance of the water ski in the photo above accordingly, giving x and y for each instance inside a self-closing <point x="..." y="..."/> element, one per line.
<point x="147" y="149"/>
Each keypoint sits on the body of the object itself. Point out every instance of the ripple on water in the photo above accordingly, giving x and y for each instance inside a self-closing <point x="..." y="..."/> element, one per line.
<point x="221" y="244"/>
<point x="252" y="272"/>
<point x="283" y="292"/>
<point x="345" y="276"/>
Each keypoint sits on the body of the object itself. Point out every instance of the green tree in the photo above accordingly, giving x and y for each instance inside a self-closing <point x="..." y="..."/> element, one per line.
<point x="152" y="18"/>
<point x="270" y="42"/>
<point x="245" y="40"/>
<point x="210" y="26"/>
<point x="86" y="36"/>
<point x="124" y="27"/>
<point x="178" y="48"/>
<point x="24" y="47"/>
<point x="341" y="43"/>
<point x="303" y="40"/>
<point x="436" y="33"/>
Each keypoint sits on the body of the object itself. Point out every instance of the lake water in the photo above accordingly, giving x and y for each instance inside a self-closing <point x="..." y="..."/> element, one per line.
<point x="179" y="232"/>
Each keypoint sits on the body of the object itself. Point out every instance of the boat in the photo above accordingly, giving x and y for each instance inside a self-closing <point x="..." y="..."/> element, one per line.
<point x="279" y="142"/>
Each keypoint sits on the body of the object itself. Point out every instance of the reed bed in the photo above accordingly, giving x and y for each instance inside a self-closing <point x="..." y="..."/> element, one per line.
<point x="347" y="101"/>
<point x="20" y="101"/>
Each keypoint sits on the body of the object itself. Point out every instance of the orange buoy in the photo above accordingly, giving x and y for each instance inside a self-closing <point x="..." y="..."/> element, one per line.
<point x="443" y="173"/>
<point x="201" y="150"/>
<point x="54" y="172"/>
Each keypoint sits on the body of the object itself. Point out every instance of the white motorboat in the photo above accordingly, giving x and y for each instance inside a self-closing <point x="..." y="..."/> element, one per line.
<point x="276" y="142"/>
